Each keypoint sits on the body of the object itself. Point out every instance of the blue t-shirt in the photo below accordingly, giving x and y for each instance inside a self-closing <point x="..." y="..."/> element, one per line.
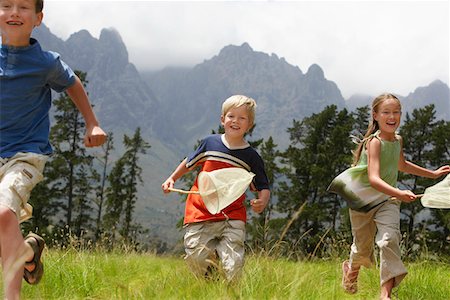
<point x="27" y="75"/>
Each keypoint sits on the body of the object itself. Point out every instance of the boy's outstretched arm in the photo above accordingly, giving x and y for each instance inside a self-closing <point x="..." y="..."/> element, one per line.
<point x="260" y="203"/>
<point x="179" y="172"/>
<point x="95" y="136"/>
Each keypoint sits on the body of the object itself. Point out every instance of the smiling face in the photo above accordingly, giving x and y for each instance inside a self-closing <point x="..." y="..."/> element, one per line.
<point x="17" y="20"/>
<point x="236" y="123"/>
<point x="388" y="114"/>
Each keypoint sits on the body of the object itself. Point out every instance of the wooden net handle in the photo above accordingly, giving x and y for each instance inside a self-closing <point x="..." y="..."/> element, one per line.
<point x="418" y="196"/>
<point x="183" y="191"/>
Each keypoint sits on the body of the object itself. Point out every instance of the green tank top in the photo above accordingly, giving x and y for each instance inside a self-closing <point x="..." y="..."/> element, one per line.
<point x="389" y="157"/>
<point x="353" y="184"/>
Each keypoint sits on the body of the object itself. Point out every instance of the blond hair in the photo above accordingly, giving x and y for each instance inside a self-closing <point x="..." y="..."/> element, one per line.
<point x="238" y="101"/>
<point x="373" y="124"/>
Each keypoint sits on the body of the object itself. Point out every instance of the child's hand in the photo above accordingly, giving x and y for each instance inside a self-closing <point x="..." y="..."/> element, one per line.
<point x="441" y="171"/>
<point x="167" y="184"/>
<point x="406" y="196"/>
<point x="258" y="205"/>
<point x="94" y="137"/>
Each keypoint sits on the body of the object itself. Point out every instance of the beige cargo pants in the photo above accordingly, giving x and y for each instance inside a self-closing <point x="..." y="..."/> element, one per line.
<point x="205" y="242"/>
<point x="381" y="224"/>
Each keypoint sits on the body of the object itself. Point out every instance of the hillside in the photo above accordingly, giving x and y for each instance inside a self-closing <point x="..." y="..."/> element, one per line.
<point x="123" y="102"/>
<point x="176" y="107"/>
<point x="283" y="93"/>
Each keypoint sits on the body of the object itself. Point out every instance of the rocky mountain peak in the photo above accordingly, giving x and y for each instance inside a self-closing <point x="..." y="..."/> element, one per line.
<point x="233" y="50"/>
<point x="81" y="35"/>
<point x="113" y="49"/>
<point x="47" y="40"/>
<point x="111" y="38"/>
<point x="438" y="83"/>
<point x="316" y="72"/>
<point x="115" y="86"/>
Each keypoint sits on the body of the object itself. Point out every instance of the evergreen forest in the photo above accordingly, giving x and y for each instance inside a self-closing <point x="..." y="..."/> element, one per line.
<point x="92" y="198"/>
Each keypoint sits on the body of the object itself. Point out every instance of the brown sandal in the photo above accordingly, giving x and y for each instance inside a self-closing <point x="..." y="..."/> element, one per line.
<point x="349" y="278"/>
<point x="37" y="243"/>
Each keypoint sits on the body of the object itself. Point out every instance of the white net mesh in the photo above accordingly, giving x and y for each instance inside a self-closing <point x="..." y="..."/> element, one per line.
<point x="220" y="188"/>
<point x="438" y="195"/>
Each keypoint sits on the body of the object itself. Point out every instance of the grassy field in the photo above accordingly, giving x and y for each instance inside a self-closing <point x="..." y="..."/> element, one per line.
<point x="86" y="275"/>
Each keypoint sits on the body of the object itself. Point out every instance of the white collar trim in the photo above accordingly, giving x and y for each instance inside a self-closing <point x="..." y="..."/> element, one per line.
<point x="224" y="141"/>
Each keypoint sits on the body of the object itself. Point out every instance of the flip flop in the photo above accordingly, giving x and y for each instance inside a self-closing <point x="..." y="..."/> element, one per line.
<point x="37" y="243"/>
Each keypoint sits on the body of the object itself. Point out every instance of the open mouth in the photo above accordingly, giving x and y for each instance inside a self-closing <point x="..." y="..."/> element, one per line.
<point x="15" y="23"/>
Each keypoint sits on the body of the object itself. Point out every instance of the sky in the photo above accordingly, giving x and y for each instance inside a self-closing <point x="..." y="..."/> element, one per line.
<point x="365" y="47"/>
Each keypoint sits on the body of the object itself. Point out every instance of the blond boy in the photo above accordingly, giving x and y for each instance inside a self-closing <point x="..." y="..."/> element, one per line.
<point x="222" y="235"/>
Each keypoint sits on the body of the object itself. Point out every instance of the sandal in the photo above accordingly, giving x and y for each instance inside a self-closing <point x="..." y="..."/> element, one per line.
<point x="349" y="278"/>
<point x="37" y="244"/>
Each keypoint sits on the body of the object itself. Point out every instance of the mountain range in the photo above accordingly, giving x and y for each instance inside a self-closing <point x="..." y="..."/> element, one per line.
<point x="175" y="107"/>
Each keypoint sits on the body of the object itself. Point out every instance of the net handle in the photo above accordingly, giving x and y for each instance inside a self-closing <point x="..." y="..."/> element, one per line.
<point x="418" y="196"/>
<point x="183" y="191"/>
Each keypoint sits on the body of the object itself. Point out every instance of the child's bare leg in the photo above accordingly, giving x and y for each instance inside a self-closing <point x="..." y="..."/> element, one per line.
<point x="386" y="289"/>
<point x="350" y="274"/>
<point x="14" y="252"/>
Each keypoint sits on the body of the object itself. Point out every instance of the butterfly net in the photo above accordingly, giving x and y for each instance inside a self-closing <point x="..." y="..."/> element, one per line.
<point x="220" y="188"/>
<point x="438" y="195"/>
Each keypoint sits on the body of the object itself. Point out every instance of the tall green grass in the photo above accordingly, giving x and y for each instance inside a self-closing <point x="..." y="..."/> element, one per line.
<point x="72" y="274"/>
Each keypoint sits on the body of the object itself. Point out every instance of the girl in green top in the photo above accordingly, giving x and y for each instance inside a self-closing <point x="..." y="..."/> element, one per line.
<point x="368" y="186"/>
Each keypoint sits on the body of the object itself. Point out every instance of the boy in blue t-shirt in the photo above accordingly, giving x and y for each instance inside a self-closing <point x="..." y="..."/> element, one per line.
<point x="27" y="75"/>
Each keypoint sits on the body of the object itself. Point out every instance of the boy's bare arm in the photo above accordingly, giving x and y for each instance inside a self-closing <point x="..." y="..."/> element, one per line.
<point x="179" y="172"/>
<point x="94" y="136"/>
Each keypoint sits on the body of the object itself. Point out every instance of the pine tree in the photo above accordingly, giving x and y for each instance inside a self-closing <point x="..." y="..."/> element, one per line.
<point x="416" y="132"/>
<point x="439" y="224"/>
<point x="134" y="146"/>
<point x="361" y="117"/>
<point x="44" y="209"/>
<point x="260" y="229"/>
<point x="83" y="193"/>
<point x="69" y="155"/>
<point x="115" y="195"/>
<point x="320" y="148"/>
<point x="338" y="150"/>
<point x="104" y="161"/>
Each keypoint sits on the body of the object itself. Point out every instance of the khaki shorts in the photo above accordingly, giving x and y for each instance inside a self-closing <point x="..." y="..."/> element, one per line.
<point x="204" y="242"/>
<point x="18" y="176"/>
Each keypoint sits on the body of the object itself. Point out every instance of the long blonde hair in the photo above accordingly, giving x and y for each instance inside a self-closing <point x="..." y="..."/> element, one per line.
<point x="373" y="124"/>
